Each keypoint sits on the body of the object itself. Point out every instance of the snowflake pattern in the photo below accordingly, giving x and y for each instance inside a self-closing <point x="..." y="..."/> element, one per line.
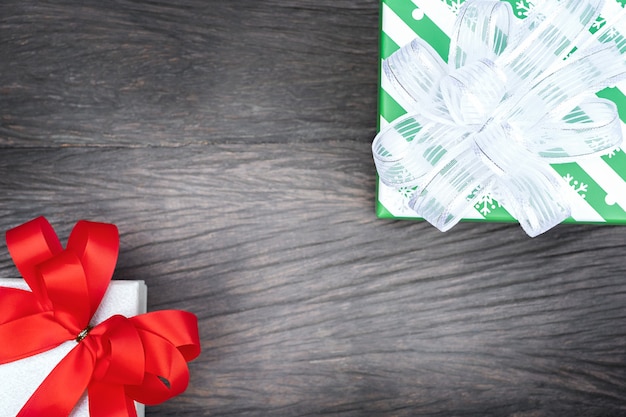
<point x="579" y="187"/>
<point x="486" y="204"/>
<point x="611" y="34"/>
<point x="524" y="7"/>
<point x="613" y="152"/>
<point x="453" y="5"/>
<point x="407" y="192"/>
<point x="600" y="21"/>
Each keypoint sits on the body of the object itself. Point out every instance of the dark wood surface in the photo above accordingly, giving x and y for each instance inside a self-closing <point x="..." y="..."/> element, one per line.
<point x="230" y="143"/>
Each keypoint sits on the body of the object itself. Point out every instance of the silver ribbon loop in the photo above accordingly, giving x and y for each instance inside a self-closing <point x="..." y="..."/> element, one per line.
<point x="514" y="97"/>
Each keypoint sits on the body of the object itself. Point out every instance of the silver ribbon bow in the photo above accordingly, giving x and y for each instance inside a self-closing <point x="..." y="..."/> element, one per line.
<point x="515" y="96"/>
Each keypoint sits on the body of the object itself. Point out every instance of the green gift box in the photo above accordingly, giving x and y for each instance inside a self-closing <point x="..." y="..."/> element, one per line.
<point x="598" y="184"/>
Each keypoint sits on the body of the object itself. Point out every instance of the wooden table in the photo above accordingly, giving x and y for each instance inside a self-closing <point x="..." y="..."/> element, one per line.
<point x="230" y="143"/>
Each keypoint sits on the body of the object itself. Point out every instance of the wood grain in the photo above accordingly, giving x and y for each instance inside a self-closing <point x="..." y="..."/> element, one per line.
<point x="173" y="73"/>
<point x="230" y="143"/>
<point x="309" y="305"/>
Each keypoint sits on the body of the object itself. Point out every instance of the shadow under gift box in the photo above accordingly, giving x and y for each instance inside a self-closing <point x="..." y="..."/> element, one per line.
<point x="20" y="379"/>
<point x="598" y="185"/>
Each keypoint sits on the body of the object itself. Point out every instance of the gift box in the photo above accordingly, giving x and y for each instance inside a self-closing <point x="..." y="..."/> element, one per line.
<point x="73" y="343"/>
<point x="597" y="186"/>
<point x="19" y="379"/>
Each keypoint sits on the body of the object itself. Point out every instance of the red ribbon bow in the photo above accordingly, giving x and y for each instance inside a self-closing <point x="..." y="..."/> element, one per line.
<point x="121" y="360"/>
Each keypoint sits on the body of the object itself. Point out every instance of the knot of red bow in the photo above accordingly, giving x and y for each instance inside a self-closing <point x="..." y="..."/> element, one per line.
<point x="119" y="361"/>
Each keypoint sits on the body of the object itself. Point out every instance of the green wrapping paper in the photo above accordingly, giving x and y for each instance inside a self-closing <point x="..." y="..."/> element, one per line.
<point x="599" y="184"/>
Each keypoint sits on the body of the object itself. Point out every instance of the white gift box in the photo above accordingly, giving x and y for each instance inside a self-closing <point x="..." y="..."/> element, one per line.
<point x="20" y="379"/>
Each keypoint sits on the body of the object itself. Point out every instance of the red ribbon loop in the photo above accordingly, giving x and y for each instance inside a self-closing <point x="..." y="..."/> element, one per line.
<point x="119" y="361"/>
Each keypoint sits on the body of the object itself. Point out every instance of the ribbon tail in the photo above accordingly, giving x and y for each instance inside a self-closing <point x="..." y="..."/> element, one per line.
<point x="30" y="335"/>
<point x="60" y="391"/>
<point x="110" y="400"/>
<point x="17" y="303"/>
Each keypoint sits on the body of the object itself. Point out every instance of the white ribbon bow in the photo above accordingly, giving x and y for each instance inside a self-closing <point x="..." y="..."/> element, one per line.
<point x="515" y="96"/>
